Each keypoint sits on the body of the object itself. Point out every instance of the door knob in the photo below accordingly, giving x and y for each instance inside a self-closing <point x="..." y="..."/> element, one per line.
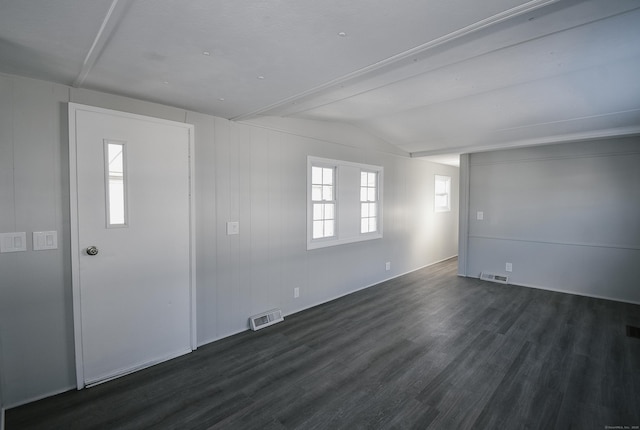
<point x="92" y="250"/>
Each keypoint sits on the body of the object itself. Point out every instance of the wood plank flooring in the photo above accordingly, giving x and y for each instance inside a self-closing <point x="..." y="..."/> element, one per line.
<point x="427" y="350"/>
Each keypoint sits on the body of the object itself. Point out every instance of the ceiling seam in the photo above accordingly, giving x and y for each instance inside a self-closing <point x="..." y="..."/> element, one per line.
<point x="600" y="115"/>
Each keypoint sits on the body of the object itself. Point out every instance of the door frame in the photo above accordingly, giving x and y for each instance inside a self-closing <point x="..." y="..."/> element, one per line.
<point x="76" y="249"/>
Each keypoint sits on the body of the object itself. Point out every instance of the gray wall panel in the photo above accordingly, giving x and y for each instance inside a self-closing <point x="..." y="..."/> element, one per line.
<point x="567" y="216"/>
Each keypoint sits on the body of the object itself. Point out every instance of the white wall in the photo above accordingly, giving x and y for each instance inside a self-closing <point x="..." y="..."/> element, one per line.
<point x="251" y="173"/>
<point x="567" y="216"/>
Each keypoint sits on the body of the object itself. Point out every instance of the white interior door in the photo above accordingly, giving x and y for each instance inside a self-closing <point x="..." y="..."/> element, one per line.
<point x="131" y="241"/>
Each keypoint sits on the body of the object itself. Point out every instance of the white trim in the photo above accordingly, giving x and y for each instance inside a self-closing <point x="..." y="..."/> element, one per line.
<point x="75" y="247"/>
<point x="571" y="292"/>
<point x="631" y="247"/>
<point x="547" y="140"/>
<point x="463" y="214"/>
<point x="39" y="397"/>
<point x="192" y="235"/>
<point x="75" y="252"/>
<point x="130" y="370"/>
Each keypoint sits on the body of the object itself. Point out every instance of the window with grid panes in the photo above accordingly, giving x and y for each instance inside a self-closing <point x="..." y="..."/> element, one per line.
<point x="323" y="201"/>
<point x="368" y="202"/>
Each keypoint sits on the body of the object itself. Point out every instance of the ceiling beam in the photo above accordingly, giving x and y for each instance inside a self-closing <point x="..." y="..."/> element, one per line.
<point x="610" y="133"/>
<point x="472" y="28"/>
<point x="112" y="19"/>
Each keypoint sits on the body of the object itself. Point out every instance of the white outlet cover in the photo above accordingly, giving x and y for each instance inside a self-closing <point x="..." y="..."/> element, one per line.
<point x="43" y="240"/>
<point x="13" y="242"/>
<point x="233" y="227"/>
<point x="508" y="267"/>
<point x="480" y="216"/>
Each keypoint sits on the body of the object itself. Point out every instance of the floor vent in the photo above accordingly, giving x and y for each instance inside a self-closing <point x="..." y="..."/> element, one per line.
<point x="502" y="279"/>
<point x="265" y="319"/>
<point x="633" y="331"/>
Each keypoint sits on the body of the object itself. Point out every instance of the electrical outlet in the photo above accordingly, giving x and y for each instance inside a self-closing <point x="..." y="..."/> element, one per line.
<point x="508" y="267"/>
<point x="233" y="227"/>
<point x="387" y="266"/>
<point x="296" y="292"/>
<point x="480" y="215"/>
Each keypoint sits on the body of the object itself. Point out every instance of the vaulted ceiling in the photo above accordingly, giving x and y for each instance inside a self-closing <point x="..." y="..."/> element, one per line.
<point x="429" y="76"/>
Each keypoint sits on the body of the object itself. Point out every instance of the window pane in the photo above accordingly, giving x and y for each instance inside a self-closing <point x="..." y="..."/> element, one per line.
<point x="327" y="192"/>
<point x="328" y="211"/>
<point x="371" y="194"/>
<point x="372" y="224"/>
<point x="328" y="228"/>
<point x="116" y="198"/>
<point x="317" y="211"/>
<point x="364" y="210"/>
<point x="316" y="192"/>
<point x="318" y="231"/>
<point x="442" y="200"/>
<point x="327" y="176"/>
<point x="363" y="194"/>
<point x="316" y="175"/>
<point x="371" y="179"/>
<point x="372" y="209"/>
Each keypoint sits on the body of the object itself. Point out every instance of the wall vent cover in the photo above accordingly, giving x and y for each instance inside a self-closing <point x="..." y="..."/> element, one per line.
<point x="633" y="331"/>
<point x="265" y="319"/>
<point x="502" y="279"/>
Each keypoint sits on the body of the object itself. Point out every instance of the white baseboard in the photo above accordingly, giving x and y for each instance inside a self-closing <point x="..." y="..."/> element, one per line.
<point x="368" y="286"/>
<point x="240" y="330"/>
<point x="40" y="397"/>
<point x="572" y="292"/>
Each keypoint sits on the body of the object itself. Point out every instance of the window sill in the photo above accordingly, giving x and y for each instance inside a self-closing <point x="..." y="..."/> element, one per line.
<point x="325" y="243"/>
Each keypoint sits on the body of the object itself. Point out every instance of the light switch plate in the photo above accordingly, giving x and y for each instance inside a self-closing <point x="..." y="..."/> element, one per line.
<point x="13" y="242"/>
<point x="43" y="240"/>
<point x="480" y="216"/>
<point x="233" y="227"/>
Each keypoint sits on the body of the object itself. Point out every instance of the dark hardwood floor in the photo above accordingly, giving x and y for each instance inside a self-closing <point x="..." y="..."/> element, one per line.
<point x="428" y="350"/>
